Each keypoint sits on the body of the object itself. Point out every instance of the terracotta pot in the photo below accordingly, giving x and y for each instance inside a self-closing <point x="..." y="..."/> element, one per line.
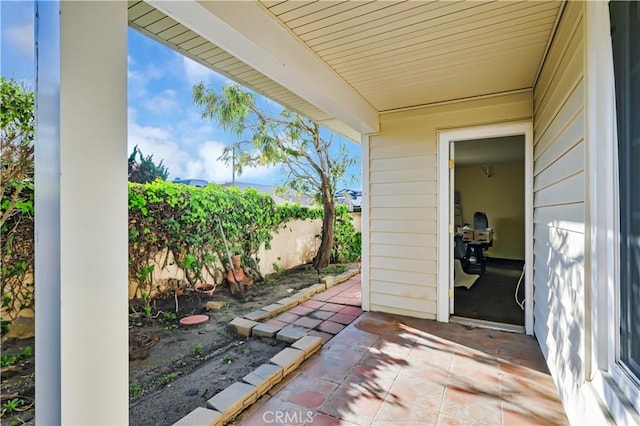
<point x="235" y="260"/>
<point x="205" y="289"/>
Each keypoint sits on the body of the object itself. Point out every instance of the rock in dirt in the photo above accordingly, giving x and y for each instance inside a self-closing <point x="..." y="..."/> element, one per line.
<point x="10" y="370"/>
<point x="21" y="328"/>
<point x="213" y="306"/>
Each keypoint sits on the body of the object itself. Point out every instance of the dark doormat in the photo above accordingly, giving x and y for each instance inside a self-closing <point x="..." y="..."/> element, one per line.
<point x="492" y="297"/>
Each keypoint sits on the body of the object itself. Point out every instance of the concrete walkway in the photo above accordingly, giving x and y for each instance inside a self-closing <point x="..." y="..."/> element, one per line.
<point x="391" y="370"/>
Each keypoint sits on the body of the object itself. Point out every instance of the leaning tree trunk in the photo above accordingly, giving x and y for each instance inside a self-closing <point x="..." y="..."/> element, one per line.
<point x="323" y="257"/>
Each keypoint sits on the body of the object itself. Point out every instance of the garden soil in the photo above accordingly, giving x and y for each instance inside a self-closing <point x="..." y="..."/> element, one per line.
<point x="188" y="364"/>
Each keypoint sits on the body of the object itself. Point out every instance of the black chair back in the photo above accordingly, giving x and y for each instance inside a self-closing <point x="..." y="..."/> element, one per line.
<point x="480" y="220"/>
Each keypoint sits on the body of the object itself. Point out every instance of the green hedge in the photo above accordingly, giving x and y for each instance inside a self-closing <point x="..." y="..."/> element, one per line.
<point x="187" y="221"/>
<point x="17" y="259"/>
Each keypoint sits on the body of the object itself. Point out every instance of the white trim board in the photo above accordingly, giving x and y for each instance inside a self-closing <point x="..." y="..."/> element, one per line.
<point x="444" y="240"/>
<point x="608" y="384"/>
<point x="365" y="262"/>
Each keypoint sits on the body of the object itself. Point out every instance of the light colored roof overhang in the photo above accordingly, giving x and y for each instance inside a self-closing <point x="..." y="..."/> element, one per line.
<point x="341" y="63"/>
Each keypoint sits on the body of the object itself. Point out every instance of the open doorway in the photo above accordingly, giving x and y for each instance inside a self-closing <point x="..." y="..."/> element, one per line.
<point x="489" y="230"/>
<point x="483" y="151"/>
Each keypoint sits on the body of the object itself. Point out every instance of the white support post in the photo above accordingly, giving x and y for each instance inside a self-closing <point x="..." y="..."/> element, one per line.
<point x="365" y="261"/>
<point x="47" y="212"/>
<point x="81" y="213"/>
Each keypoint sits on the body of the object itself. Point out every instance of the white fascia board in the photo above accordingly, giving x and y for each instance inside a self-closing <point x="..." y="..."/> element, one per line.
<point x="341" y="128"/>
<point x="250" y="33"/>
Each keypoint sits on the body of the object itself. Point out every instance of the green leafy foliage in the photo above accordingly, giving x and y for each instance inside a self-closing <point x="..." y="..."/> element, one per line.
<point x="143" y="169"/>
<point x="11" y="405"/>
<point x="188" y="222"/>
<point x="16" y="204"/>
<point x="168" y="378"/>
<point x="7" y="360"/>
<point x="135" y="391"/>
<point x="197" y="350"/>
<point x="347" y="244"/>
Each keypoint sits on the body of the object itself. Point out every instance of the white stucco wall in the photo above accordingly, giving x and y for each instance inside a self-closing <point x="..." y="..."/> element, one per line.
<point x="295" y="244"/>
<point x="292" y="246"/>
<point x="401" y="168"/>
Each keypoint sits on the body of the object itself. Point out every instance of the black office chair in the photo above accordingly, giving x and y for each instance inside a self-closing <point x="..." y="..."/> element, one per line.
<point x="460" y="251"/>
<point x="480" y="220"/>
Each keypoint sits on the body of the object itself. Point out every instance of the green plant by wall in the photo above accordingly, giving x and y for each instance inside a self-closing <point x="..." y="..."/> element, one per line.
<point x="179" y="220"/>
<point x="7" y="360"/>
<point x="168" y="378"/>
<point x="186" y="220"/>
<point x="347" y="243"/>
<point x="16" y="201"/>
<point x="135" y="391"/>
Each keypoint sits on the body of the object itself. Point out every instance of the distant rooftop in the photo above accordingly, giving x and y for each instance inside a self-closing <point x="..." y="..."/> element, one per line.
<point x="192" y="182"/>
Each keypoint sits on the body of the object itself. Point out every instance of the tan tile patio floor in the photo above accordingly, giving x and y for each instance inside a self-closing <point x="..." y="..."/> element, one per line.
<point x="394" y="370"/>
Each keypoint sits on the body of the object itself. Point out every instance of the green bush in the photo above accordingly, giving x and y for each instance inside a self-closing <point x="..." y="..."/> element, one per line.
<point x="16" y="198"/>
<point x="189" y="221"/>
<point x="347" y="242"/>
<point x="184" y="220"/>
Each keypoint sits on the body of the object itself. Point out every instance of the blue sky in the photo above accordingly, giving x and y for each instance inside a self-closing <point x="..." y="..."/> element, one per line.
<point x="162" y="118"/>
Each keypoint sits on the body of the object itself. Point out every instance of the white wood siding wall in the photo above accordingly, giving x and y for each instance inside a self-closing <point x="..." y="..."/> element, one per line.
<point x="403" y="192"/>
<point x="559" y="208"/>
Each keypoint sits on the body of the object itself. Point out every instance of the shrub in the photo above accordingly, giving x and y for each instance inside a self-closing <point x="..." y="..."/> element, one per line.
<point x="347" y="243"/>
<point x="189" y="222"/>
<point x="16" y="201"/>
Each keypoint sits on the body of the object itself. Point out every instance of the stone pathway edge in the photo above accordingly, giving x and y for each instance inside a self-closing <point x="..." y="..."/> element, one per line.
<point x="231" y="401"/>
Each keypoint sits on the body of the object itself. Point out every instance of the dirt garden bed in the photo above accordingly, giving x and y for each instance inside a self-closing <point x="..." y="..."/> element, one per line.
<point x="188" y="365"/>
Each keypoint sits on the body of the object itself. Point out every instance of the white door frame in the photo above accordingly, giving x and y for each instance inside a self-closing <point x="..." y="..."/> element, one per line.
<point x="445" y="138"/>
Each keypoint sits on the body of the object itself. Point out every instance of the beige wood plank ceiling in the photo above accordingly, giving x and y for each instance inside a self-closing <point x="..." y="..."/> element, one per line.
<point x="399" y="54"/>
<point x="395" y="54"/>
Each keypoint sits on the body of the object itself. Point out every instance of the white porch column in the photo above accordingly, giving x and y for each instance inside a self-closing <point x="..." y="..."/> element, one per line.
<point x="81" y="213"/>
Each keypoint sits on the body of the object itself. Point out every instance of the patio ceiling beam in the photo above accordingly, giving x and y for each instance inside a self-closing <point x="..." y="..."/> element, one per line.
<point x="250" y="33"/>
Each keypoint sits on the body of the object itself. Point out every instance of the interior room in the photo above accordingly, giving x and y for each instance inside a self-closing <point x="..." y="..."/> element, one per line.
<point x="489" y="220"/>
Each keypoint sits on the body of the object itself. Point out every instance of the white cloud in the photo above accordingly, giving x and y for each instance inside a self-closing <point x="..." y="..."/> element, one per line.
<point x="201" y="164"/>
<point x="210" y="168"/>
<point x="21" y="35"/>
<point x="138" y="80"/>
<point x="194" y="72"/>
<point x="163" y="103"/>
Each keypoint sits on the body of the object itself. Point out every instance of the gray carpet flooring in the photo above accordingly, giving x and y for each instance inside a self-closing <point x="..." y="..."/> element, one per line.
<point x="492" y="297"/>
